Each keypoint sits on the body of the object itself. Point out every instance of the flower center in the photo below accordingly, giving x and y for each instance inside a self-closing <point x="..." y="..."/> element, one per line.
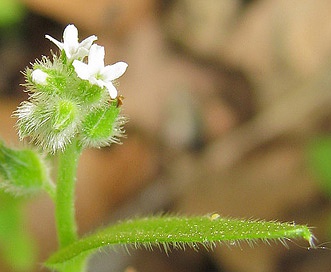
<point x="98" y="76"/>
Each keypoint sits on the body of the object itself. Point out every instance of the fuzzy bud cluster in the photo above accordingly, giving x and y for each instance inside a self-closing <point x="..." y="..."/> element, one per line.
<point x="72" y="96"/>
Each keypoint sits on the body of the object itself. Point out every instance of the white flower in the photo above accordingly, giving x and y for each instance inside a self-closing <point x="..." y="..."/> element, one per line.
<point x="70" y="44"/>
<point x="97" y="73"/>
<point x="39" y="77"/>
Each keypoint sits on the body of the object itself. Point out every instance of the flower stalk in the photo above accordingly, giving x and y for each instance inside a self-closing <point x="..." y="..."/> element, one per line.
<point x="66" y="225"/>
<point x="65" y="194"/>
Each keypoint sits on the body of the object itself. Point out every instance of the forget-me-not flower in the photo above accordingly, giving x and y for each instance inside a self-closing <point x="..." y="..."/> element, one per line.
<point x="70" y="44"/>
<point x="97" y="73"/>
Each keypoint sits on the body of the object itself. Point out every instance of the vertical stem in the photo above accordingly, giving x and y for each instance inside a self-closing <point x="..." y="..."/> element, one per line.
<point x="65" y="202"/>
<point x="65" y="195"/>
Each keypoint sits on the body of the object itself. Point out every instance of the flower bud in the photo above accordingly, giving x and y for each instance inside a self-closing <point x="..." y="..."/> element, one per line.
<point x="102" y="127"/>
<point x="51" y="124"/>
<point x="39" y="77"/>
<point x="64" y="115"/>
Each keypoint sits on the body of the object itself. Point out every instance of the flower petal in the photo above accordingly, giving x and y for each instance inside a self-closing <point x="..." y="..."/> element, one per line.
<point x="70" y="45"/>
<point x="81" y="69"/>
<point x="70" y="41"/>
<point x="86" y="43"/>
<point x="81" y="52"/>
<point x="57" y="43"/>
<point x="111" y="89"/>
<point x="70" y="36"/>
<point x="84" y="47"/>
<point x="111" y="72"/>
<point x="96" y="58"/>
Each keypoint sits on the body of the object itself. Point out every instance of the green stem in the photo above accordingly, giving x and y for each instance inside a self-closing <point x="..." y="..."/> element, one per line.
<point x="65" y="198"/>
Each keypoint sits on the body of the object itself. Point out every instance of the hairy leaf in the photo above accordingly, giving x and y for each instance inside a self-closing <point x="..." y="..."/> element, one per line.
<point x="168" y="232"/>
<point x="22" y="171"/>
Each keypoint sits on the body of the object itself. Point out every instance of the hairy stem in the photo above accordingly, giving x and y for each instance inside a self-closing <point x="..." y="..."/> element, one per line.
<point x="65" y="198"/>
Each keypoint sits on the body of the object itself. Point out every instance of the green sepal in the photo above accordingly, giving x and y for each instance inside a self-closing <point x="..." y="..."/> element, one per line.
<point x="101" y="127"/>
<point x="58" y="77"/>
<point x="57" y="81"/>
<point x="169" y="232"/>
<point x="65" y="113"/>
<point x="22" y="171"/>
<point x="63" y="57"/>
<point x="89" y="94"/>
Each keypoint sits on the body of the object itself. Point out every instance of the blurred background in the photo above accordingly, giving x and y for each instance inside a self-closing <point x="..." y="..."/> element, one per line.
<point x="230" y="112"/>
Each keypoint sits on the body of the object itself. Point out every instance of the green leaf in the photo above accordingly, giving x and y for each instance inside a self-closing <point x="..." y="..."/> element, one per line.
<point x="16" y="245"/>
<point x="22" y="171"/>
<point x="178" y="232"/>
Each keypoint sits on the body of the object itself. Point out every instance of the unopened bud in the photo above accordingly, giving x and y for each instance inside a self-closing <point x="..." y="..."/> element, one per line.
<point x="39" y="77"/>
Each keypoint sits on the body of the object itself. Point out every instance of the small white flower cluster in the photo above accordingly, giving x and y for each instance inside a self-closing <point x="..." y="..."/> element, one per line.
<point x="69" y="97"/>
<point x="95" y="70"/>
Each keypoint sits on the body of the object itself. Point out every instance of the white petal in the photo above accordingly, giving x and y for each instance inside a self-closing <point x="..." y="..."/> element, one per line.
<point x="80" y="53"/>
<point x="114" y="71"/>
<point x="96" y="58"/>
<point x="70" y="41"/>
<point x="57" y="43"/>
<point x="70" y="36"/>
<point x="88" y="42"/>
<point x="98" y="82"/>
<point x="83" y="48"/>
<point x="81" y="69"/>
<point x="112" y="90"/>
